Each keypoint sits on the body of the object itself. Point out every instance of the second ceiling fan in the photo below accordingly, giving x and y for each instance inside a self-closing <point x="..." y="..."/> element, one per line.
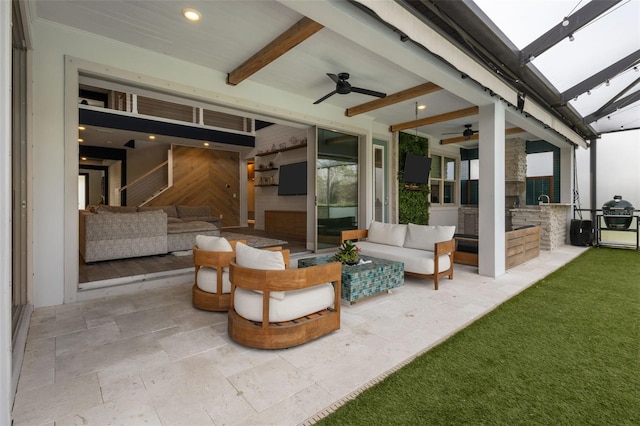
<point x="343" y="87"/>
<point x="466" y="133"/>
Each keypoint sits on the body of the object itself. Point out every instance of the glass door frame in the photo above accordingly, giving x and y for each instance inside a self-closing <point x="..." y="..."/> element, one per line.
<point x="359" y="182"/>
<point x="381" y="145"/>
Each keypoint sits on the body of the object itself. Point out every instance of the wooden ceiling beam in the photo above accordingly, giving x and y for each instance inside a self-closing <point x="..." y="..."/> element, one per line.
<point x="435" y="119"/>
<point x="286" y="41"/>
<point x="405" y="95"/>
<point x="474" y="137"/>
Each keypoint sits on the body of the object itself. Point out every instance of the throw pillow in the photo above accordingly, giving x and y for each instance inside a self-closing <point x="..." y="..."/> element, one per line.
<point x="249" y="257"/>
<point x="212" y="243"/>
<point x="425" y="237"/>
<point x="387" y="233"/>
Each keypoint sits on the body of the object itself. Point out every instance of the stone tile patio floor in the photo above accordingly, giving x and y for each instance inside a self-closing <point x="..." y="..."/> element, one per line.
<point x="151" y="358"/>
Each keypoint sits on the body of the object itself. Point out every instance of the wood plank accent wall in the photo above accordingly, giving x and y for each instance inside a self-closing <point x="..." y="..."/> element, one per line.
<point x="201" y="176"/>
<point x="292" y="224"/>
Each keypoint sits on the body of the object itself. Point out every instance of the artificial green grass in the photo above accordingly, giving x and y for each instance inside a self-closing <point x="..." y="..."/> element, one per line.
<point x="566" y="351"/>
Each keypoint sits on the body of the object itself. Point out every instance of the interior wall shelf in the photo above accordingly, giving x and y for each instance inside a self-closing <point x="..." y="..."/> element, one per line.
<point x="289" y="148"/>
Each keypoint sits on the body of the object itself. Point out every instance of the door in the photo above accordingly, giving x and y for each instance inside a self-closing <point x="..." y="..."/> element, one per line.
<point x="380" y="181"/>
<point x="336" y="186"/>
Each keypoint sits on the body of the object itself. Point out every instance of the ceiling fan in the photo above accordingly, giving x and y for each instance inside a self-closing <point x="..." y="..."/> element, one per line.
<point x="343" y="87"/>
<point x="466" y="133"/>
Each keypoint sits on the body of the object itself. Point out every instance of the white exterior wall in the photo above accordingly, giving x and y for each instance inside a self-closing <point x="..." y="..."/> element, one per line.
<point x="54" y="166"/>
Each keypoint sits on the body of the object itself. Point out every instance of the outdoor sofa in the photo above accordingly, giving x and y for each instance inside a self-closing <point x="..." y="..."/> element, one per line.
<point x="426" y="251"/>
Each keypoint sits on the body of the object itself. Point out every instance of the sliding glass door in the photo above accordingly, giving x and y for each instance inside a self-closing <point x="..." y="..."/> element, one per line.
<point x="336" y="186"/>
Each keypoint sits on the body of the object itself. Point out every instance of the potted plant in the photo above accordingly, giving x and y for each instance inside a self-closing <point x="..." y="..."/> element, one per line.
<point x="347" y="253"/>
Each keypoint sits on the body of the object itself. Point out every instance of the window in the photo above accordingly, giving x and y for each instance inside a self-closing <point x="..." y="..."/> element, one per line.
<point x="543" y="172"/>
<point x="469" y="178"/>
<point x="443" y="179"/>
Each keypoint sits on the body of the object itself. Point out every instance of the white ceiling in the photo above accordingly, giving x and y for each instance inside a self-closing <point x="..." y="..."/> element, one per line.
<point x="231" y="31"/>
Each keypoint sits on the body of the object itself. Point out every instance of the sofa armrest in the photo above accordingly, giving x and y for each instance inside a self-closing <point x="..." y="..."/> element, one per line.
<point x="353" y="234"/>
<point x="445" y="247"/>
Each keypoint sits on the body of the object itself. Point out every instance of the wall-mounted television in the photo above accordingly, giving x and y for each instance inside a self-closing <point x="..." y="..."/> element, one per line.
<point x="416" y="169"/>
<point x="293" y="179"/>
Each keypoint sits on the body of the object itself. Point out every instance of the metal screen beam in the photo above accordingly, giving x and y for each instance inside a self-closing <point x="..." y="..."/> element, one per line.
<point x="577" y="20"/>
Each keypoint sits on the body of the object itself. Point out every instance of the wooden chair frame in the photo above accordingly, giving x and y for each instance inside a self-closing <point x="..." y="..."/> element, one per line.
<point x="278" y="335"/>
<point x="217" y="260"/>
<point x="444" y="247"/>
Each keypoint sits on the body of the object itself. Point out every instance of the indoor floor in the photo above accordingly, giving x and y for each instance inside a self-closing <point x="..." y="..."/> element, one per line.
<point x="152" y="358"/>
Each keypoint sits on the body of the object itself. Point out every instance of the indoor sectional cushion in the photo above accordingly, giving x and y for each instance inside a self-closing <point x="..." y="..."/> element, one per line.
<point x="253" y="258"/>
<point x="387" y="233"/>
<point x="194" y="211"/>
<point x="169" y="210"/>
<point x="424" y="237"/>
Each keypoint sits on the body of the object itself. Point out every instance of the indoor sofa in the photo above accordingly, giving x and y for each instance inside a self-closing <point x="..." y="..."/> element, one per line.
<point x="120" y="232"/>
<point x="426" y="251"/>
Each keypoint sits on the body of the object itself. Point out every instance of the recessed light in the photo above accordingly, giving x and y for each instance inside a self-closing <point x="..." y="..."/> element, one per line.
<point x="80" y="140"/>
<point x="82" y="128"/>
<point x="206" y="144"/>
<point x="83" y="158"/>
<point x="191" y="14"/>
<point x="422" y="106"/>
<point x="152" y="137"/>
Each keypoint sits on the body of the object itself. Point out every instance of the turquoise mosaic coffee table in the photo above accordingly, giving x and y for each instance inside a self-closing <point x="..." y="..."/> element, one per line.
<point x="360" y="281"/>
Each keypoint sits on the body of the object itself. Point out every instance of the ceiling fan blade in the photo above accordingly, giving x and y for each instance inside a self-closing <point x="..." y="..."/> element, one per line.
<point x="368" y="92"/>
<point x="334" y="77"/>
<point x="452" y="133"/>
<point x="325" y="97"/>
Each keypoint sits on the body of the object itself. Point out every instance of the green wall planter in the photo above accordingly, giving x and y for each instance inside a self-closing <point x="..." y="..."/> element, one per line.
<point x="413" y="204"/>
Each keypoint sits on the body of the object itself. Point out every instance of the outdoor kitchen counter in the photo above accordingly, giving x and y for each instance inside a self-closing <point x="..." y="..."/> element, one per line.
<point x="552" y="218"/>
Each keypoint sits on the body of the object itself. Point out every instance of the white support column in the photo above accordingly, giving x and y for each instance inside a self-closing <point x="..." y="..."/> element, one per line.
<point x="566" y="183"/>
<point x="566" y="174"/>
<point x="491" y="208"/>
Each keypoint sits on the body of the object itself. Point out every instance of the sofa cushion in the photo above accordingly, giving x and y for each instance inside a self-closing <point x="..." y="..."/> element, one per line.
<point x="249" y="257"/>
<point x="211" y="243"/>
<point x="171" y="211"/>
<point x="415" y="260"/>
<point x="207" y="280"/>
<point x="387" y="233"/>
<point x="189" y="227"/>
<point x="298" y="303"/>
<point x="115" y="209"/>
<point x="209" y="219"/>
<point x="194" y="211"/>
<point x="424" y="237"/>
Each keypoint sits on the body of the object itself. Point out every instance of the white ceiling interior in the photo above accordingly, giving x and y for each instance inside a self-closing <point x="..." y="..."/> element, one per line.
<point x="230" y="32"/>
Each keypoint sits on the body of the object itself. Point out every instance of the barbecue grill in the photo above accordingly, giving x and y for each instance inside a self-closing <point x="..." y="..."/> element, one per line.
<point x="618" y="213"/>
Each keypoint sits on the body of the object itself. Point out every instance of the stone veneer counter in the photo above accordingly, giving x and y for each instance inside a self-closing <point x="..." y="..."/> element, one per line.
<point x="552" y="219"/>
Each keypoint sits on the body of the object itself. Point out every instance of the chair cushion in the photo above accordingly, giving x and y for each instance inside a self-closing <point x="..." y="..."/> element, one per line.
<point x="249" y="257"/>
<point x="387" y="233"/>
<point x="298" y="303"/>
<point x="212" y="243"/>
<point x="424" y="237"/>
<point x="207" y="280"/>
